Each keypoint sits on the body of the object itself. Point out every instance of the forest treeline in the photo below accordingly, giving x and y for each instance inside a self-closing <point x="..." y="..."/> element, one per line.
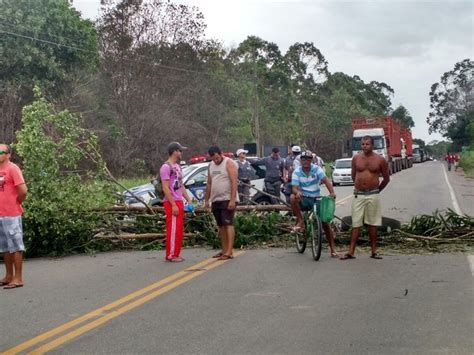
<point x="144" y="73"/>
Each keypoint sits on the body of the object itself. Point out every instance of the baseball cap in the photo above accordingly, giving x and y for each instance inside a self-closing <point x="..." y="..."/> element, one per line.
<point x="239" y="151"/>
<point x="296" y="149"/>
<point x="174" y="146"/>
<point x="306" y="155"/>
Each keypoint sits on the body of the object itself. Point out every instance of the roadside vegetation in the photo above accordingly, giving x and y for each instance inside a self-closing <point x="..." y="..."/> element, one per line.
<point x="83" y="102"/>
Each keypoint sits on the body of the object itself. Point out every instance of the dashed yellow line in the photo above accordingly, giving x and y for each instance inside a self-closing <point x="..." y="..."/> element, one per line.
<point x="109" y="312"/>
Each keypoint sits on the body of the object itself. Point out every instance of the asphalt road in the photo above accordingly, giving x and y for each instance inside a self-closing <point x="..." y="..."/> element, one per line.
<point x="419" y="190"/>
<point x="264" y="301"/>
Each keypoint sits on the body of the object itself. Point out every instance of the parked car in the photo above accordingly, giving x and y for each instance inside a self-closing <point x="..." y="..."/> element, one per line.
<point x="341" y="173"/>
<point x="195" y="181"/>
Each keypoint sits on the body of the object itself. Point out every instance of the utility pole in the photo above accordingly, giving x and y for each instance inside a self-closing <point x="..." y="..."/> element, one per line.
<point x="256" y="114"/>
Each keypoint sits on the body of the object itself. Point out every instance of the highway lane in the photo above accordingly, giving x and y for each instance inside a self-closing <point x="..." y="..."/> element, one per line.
<point x="262" y="302"/>
<point x="419" y="190"/>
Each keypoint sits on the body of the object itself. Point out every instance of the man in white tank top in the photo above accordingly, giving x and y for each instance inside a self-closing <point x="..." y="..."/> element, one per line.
<point x="221" y="191"/>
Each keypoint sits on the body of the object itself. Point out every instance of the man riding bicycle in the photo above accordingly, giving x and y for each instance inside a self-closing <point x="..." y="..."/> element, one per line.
<point x="306" y="192"/>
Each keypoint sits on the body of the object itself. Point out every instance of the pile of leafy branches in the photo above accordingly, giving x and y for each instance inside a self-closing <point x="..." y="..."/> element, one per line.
<point x="449" y="225"/>
<point x="65" y="179"/>
<point x="252" y="229"/>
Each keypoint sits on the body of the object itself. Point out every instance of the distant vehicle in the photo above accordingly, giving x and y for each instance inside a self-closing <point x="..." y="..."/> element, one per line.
<point x="419" y="155"/>
<point x="341" y="172"/>
<point x="391" y="140"/>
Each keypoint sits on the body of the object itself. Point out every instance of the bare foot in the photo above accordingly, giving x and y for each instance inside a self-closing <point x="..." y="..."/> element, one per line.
<point x="5" y="281"/>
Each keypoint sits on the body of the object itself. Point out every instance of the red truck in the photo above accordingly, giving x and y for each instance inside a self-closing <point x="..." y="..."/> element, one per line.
<point x="391" y="140"/>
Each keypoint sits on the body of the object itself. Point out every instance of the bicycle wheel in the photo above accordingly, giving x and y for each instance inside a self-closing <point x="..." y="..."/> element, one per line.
<point x="316" y="237"/>
<point x="300" y="242"/>
<point x="301" y="239"/>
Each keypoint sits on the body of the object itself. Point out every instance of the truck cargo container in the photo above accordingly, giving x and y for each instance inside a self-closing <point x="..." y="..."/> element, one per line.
<point x="391" y="140"/>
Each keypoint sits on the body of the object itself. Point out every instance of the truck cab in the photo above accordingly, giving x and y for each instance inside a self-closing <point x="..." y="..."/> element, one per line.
<point x="380" y="143"/>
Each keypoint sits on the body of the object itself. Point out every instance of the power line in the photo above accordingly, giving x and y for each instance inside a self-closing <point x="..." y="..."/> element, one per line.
<point x="7" y="24"/>
<point x="92" y="52"/>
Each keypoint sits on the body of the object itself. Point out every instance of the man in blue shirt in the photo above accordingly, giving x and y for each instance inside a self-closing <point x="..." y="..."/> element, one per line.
<point x="305" y="183"/>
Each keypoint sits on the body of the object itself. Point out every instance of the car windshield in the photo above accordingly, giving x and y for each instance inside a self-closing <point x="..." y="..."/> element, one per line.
<point x="188" y="170"/>
<point x="378" y="143"/>
<point x="343" y="164"/>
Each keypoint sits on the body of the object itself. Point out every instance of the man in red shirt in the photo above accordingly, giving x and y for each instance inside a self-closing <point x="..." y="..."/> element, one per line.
<point x="12" y="193"/>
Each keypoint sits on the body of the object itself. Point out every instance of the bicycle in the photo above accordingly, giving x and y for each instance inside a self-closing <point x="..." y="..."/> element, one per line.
<point x="314" y="230"/>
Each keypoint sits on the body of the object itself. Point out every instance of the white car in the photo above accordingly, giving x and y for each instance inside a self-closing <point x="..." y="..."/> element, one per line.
<point x="195" y="180"/>
<point x="341" y="172"/>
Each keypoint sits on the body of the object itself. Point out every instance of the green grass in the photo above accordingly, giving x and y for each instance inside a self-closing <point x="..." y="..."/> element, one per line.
<point x="467" y="162"/>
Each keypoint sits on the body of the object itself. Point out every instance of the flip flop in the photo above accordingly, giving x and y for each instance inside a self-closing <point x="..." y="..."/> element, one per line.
<point x="10" y="286"/>
<point x="4" y="283"/>
<point x="335" y="255"/>
<point x="347" y="257"/>
<point x="376" y="256"/>
<point x="218" y="255"/>
<point x="176" y="259"/>
<point x="225" y="257"/>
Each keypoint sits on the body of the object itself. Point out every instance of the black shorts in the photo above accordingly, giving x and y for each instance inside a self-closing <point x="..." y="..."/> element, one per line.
<point x="224" y="216"/>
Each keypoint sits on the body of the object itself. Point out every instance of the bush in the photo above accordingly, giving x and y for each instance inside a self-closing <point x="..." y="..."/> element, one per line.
<point x="65" y="177"/>
<point x="467" y="162"/>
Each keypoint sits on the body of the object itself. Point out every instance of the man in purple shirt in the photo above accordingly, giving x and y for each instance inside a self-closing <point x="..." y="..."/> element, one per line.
<point x="174" y="191"/>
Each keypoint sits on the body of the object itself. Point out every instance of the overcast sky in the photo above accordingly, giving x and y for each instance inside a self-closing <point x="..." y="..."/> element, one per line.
<point x="406" y="44"/>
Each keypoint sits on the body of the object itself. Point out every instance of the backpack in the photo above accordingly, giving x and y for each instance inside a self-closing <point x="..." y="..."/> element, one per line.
<point x="158" y="184"/>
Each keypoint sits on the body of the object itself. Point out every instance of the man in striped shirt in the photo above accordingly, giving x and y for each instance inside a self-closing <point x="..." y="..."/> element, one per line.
<point x="306" y="192"/>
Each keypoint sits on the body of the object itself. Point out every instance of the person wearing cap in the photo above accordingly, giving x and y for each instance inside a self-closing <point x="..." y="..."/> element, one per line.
<point x="221" y="192"/>
<point x="274" y="173"/>
<point x="244" y="173"/>
<point x="305" y="183"/>
<point x="292" y="162"/>
<point x="13" y="192"/>
<point x="174" y="191"/>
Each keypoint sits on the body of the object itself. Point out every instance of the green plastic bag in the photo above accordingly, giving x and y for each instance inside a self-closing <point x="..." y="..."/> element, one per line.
<point x="327" y="208"/>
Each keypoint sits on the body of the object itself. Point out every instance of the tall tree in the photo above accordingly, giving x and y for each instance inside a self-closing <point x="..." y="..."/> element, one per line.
<point x="151" y="67"/>
<point x="452" y="103"/>
<point x="402" y="115"/>
<point x="44" y="42"/>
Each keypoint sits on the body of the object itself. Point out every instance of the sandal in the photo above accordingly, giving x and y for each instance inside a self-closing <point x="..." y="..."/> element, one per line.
<point x="376" y="256"/>
<point x="218" y="255"/>
<point x="335" y="255"/>
<point x="12" y="285"/>
<point x="347" y="257"/>
<point x="175" y="259"/>
<point x="225" y="257"/>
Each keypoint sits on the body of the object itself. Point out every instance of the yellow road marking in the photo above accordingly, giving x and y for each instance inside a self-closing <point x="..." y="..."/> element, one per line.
<point x="94" y="324"/>
<point x="100" y="311"/>
<point x="338" y="203"/>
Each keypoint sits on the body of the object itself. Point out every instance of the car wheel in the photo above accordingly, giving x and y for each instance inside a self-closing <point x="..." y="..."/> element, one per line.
<point x="263" y="200"/>
<point x="334" y="183"/>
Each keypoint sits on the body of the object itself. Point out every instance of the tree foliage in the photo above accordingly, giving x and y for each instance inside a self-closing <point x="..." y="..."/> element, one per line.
<point x="402" y="115"/>
<point x="43" y="42"/>
<point x="25" y="60"/>
<point x="452" y="103"/>
<point x="65" y="179"/>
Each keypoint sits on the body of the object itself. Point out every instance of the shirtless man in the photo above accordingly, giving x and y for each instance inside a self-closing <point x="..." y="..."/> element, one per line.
<point x="366" y="209"/>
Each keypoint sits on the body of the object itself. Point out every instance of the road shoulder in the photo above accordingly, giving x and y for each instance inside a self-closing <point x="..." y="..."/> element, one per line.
<point x="464" y="189"/>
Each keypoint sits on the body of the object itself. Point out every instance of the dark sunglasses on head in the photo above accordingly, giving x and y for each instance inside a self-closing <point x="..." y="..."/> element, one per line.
<point x="4" y="152"/>
<point x="306" y="158"/>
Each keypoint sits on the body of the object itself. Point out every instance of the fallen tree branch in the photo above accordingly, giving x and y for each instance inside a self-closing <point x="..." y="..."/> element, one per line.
<point x="139" y="236"/>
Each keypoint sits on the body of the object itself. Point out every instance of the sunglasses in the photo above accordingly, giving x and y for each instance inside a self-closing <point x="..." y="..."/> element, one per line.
<point x="4" y="152"/>
<point x="306" y="158"/>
